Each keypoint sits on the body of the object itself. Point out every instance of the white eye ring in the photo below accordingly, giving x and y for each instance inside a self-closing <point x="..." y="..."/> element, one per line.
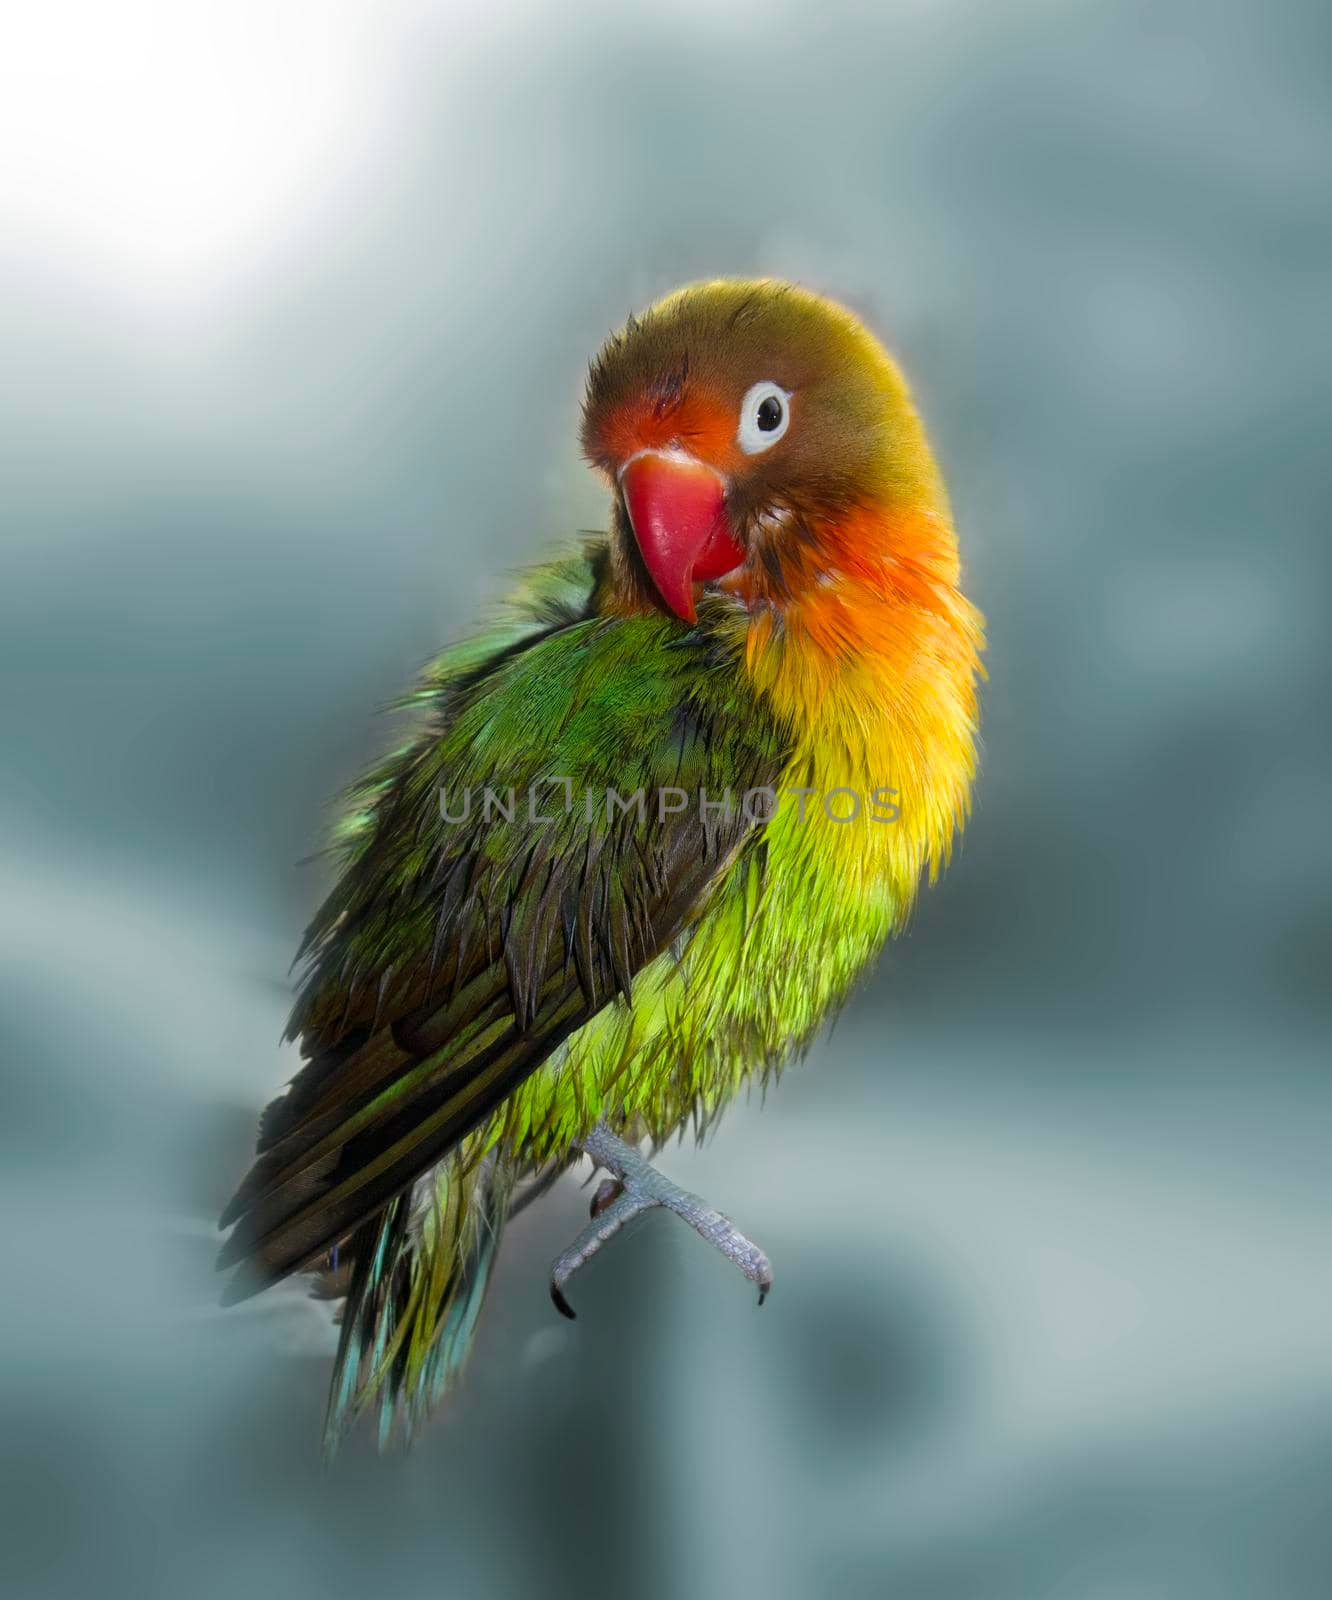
<point x="755" y="436"/>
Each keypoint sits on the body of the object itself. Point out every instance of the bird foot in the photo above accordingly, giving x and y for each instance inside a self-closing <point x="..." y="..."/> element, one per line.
<point x="636" y="1187"/>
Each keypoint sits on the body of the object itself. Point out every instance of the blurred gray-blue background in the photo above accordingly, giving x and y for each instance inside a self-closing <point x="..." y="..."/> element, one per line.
<point x="294" y="305"/>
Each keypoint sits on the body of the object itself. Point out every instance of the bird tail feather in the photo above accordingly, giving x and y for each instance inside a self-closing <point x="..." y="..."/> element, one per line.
<point x="415" y="1278"/>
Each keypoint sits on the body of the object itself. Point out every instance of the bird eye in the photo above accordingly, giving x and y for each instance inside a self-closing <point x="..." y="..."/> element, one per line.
<point x="765" y="415"/>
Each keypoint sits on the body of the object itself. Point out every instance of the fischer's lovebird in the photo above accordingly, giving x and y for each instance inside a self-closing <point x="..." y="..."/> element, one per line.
<point x="650" y="826"/>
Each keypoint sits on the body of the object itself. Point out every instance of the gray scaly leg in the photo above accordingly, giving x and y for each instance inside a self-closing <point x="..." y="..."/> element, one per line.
<point x="639" y="1187"/>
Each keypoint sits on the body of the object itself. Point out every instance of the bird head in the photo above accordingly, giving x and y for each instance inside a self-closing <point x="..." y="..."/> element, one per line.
<point x="759" y="439"/>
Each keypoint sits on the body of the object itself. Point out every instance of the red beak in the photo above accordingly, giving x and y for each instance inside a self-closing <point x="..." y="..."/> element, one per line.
<point x="678" y="510"/>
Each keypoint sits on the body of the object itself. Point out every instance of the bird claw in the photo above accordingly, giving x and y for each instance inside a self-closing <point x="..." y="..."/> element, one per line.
<point x="637" y="1187"/>
<point x="608" y="1191"/>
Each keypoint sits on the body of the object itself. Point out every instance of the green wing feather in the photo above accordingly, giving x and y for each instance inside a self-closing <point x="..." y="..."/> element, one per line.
<point x="450" y="960"/>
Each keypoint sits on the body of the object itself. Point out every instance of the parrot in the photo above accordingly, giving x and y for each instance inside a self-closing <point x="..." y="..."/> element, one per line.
<point x="650" y="824"/>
